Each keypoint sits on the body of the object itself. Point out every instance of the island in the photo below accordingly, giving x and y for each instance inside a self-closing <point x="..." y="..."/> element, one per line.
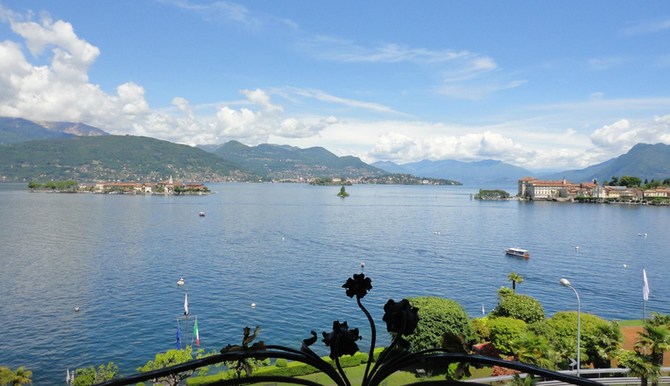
<point x="492" y="195"/>
<point x="169" y="187"/>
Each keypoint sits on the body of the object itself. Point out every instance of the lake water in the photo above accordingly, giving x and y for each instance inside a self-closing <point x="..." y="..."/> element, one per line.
<point x="289" y="248"/>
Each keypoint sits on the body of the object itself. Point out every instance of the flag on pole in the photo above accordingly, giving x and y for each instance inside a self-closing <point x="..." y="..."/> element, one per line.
<point x="645" y="285"/>
<point x="186" y="303"/>
<point x="178" y="337"/>
<point x="195" y="331"/>
<point x="67" y="377"/>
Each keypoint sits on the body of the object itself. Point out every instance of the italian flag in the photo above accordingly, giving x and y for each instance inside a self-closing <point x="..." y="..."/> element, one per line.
<point x="197" y="334"/>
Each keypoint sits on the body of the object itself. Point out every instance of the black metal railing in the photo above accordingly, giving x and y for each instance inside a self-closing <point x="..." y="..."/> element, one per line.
<point x="401" y="320"/>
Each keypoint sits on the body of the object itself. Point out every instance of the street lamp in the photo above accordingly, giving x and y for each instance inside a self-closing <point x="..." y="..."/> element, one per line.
<point x="566" y="283"/>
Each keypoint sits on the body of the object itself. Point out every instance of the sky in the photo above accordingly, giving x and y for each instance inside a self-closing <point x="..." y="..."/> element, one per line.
<point x="545" y="85"/>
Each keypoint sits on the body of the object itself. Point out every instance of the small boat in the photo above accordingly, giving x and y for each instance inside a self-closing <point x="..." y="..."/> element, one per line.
<point x="180" y="282"/>
<point x="517" y="252"/>
<point x="201" y="214"/>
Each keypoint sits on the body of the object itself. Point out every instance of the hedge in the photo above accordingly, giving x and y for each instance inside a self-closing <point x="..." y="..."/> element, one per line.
<point x="520" y="307"/>
<point x="504" y="331"/>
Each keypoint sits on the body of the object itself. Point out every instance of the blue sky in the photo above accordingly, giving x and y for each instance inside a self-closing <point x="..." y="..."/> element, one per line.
<point x="546" y="84"/>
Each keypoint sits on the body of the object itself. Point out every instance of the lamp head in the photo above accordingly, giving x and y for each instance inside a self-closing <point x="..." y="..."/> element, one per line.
<point x="565" y="282"/>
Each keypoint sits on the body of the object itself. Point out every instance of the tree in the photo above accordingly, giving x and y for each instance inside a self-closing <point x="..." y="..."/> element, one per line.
<point x="666" y="182"/>
<point x="520" y="307"/>
<point x="514" y="278"/>
<point x="640" y="366"/>
<point x="532" y="349"/>
<point x="49" y="185"/>
<point x="32" y="185"/>
<point x="91" y="376"/>
<point x="178" y="189"/>
<point x="167" y="359"/>
<point x="18" y="377"/>
<point x="615" y="181"/>
<point x="646" y="181"/>
<point x="438" y="316"/>
<point x="629" y="181"/>
<point x="503" y="331"/>
<point x="656" y="339"/>
<point x="342" y="193"/>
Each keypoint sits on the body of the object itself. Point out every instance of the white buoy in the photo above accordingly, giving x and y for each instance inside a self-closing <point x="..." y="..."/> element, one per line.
<point x="639" y="234"/>
<point x="253" y="305"/>
<point x="625" y="266"/>
<point x="577" y="247"/>
<point x="645" y="235"/>
<point x="76" y="309"/>
<point x="282" y="239"/>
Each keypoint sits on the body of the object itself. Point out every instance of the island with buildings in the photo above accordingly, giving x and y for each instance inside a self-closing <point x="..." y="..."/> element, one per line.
<point x="534" y="189"/>
<point x="169" y="187"/>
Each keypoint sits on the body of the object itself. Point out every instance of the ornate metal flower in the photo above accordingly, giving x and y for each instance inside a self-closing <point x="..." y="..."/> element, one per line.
<point x="358" y="286"/>
<point x="394" y="314"/>
<point x="341" y="340"/>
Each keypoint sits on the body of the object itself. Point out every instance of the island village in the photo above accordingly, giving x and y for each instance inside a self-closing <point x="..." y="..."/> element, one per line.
<point x="534" y="189"/>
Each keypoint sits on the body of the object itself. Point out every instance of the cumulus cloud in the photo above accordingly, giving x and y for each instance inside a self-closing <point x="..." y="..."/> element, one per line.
<point x="61" y="91"/>
<point x="624" y="134"/>
<point x="472" y="146"/>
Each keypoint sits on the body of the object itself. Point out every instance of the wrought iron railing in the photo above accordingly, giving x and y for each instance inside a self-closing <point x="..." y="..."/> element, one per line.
<point x="401" y="320"/>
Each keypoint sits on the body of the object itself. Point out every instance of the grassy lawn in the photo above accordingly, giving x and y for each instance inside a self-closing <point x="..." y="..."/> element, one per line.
<point x="355" y="375"/>
<point x="630" y="323"/>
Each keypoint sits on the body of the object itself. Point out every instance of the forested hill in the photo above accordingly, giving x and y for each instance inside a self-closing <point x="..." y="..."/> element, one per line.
<point x="122" y="158"/>
<point x="644" y="161"/>
<point x="288" y="162"/>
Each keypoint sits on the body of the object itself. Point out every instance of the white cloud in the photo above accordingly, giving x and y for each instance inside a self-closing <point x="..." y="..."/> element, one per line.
<point x="223" y="11"/>
<point x="647" y="27"/>
<point x="606" y="63"/>
<point x="624" y="134"/>
<point x="475" y="92"/>
<point x="472" y="146"/>
<point x="61" y="91"/>
<point x="325" y="97"/>
<point x="453" y="65"/>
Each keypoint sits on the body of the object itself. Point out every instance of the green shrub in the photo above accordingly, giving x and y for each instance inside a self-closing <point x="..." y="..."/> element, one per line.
<point x="600" y="339"/>
<point x="481" y="329"/>
<point x="363" y="357"/>
<point x="436" y="317"/>
<point x="520" y="307"/>
<point x="375" y="354"/>
<point x="504" y="331"/>
<point x="281" y="362"/>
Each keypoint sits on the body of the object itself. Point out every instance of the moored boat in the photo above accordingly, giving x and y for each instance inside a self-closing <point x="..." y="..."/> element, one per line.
<point x="517" y="252"/>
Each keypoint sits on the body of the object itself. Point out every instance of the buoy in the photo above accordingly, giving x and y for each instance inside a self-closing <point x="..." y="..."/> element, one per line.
<point x="201" y="214"/>
<point x="645" y="235"/>
<point x="76" y="309"/>
<point x="362" y="265"/>
<point x="577" y="247"/>
<point x="625" y="266"/>
<point x="639" y="234"/>
<point x="282" y="239"/>
<point x="253" y="305"/>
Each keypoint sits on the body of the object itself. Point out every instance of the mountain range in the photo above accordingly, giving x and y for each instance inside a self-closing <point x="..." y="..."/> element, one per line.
<point x="643" y="160"/>
<point x="289" y="162"/>
<point x="481" y="172"/>
<point x="113" y="157"/>
<point x="16" y="130"/>
<point x="58" y="150"/>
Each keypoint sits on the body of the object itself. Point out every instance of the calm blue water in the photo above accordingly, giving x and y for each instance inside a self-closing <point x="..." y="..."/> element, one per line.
<point x="289" y="248"/>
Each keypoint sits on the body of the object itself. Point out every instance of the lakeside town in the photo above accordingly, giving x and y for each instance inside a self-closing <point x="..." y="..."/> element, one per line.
<point x="565" y="191"/>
